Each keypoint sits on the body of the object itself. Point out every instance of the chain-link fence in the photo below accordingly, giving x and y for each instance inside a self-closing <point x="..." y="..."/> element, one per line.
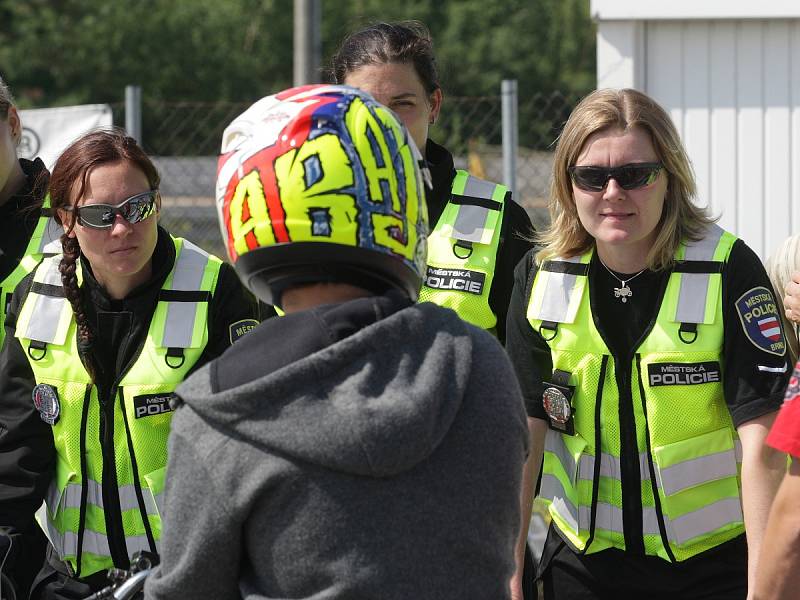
<point x="184" y="138"/>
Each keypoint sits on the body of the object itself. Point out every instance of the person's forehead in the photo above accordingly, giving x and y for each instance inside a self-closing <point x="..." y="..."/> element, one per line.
<point x="391" y="79"/>
<point x="632" y="142"/>
<point x="114" y="182"/>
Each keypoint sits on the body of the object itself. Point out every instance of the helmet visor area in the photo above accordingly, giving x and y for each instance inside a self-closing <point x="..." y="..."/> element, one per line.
<point x="268" y="271"/>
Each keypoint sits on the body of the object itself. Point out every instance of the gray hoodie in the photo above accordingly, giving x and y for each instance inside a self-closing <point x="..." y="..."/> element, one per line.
<point x="384" y="465"/>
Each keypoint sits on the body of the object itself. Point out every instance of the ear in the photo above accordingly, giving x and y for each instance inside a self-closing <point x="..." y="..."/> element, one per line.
<point x="65" y="218"/>
<point x="436" y="104"/>
<point x="15" y="124"/>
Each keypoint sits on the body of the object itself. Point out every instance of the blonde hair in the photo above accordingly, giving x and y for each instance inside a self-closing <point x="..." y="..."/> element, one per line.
<point x="780" y="266"/>
<point x="610" y="109"/>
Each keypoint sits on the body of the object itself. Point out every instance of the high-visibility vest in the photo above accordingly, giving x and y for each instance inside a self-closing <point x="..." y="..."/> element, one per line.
<point x="45" y="241"/>
<point x="462" y="250"/>
<point x="688" y="449"/>
<point x="178" y="333"/>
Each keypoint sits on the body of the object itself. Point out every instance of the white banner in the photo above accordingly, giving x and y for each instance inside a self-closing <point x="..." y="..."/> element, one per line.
<point x="46" y="132"/>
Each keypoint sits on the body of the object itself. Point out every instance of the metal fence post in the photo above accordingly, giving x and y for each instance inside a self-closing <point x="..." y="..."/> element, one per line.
<point x="307" y="41"/>
<point x="508" y="91"/>
<point x="133" y="112"/>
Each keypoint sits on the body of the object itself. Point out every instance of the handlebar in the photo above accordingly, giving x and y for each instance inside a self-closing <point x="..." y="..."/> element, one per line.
<point x="126" y="585"/>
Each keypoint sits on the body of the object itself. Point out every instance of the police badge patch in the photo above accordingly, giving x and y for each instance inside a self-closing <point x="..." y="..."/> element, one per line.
<point x="761" y="321"/>
<point x="238" y="329"/>
<point x="460" y="280"/>
<point x="45" y="399"/>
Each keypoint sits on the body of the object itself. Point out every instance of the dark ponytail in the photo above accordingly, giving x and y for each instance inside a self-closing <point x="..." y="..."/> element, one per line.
<point x="69" y="279"/>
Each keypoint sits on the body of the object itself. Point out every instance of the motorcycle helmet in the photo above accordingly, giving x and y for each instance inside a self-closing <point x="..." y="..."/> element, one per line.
<point x="322" y="183"/>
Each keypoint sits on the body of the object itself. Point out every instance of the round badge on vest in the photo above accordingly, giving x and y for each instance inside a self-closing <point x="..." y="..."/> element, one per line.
<point x="556" y="405"/>
<point x="45" y="399"/>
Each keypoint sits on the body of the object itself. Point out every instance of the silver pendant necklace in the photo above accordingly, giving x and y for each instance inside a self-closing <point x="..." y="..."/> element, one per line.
<point x="623" y="292"/>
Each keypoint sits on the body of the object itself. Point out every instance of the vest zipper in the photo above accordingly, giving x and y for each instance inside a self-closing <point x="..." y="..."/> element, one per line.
<point x="110" y="488"/>
<point x="598" y="440"/>
<point x="87" y="396"/>
<point x="662" y="529"/>
<point x="115" y="531"/>
<point x="135" y="474"/>
<point x="631" y="479"/>
<point x="630" y="470"/>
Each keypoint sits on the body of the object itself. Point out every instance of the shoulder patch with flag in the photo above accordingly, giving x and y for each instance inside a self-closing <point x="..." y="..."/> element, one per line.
<point x="761" y="321"/>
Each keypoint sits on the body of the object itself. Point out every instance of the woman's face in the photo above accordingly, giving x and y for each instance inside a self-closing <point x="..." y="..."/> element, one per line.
<point x="619" y="219"/>
<point x="120" y="255"/>
<point x="397" y="86"/>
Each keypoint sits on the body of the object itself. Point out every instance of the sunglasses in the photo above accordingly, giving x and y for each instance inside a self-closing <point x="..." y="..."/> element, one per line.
<point x="102" y="216"/>
<point x="629" y="177"/>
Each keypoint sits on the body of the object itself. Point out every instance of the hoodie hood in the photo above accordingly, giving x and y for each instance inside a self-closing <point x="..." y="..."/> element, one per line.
<point x="376" y="403"/>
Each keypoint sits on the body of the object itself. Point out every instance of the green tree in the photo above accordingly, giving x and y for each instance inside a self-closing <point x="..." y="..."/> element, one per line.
<point x="59" y="52"/>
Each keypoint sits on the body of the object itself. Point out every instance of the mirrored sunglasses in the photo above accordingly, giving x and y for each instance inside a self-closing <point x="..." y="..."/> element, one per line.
<point x="102" y="216"/>
<point x="629" y="177"/>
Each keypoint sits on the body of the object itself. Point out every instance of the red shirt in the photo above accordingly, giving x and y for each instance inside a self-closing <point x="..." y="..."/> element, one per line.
<point x="785" y="432"/>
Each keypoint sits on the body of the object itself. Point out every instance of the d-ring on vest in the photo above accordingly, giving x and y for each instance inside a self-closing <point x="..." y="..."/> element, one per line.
<point x="462" y="250"/>
<point x="178" y="333"/>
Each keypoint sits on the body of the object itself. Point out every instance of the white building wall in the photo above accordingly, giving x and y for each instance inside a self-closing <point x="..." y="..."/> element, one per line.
<point x="733" y="89"/>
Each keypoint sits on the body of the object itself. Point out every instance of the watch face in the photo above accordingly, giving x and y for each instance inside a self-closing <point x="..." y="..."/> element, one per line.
<point x="556" y="405"/>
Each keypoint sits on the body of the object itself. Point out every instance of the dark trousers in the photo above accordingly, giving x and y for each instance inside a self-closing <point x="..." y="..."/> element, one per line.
<point x="54" y="583"/>
<point x="717" y="574"/>
<point x="32" y="544"/>
<point x="529" y="591"/>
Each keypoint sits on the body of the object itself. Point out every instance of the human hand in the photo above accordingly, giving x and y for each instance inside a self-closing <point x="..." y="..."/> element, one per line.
<point x="791" y="300"/>
<point x="516" y="586"/>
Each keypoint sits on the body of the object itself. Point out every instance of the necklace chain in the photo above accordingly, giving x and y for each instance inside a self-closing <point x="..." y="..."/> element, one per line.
<point x="624" y="291"/>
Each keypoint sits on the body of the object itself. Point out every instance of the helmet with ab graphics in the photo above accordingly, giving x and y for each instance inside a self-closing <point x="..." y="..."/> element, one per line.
<point x="322" y="184"/>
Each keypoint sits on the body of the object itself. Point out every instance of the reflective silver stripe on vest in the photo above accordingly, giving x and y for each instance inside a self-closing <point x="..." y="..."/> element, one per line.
<point x="470" y="223"/>
<point x="697" y="471"/>
<point x="691" y="306"/>
<point x="673" y="480"/>
<point x="608" y="516"/>
<point x="47" y="309"/>
<point x="189" y="270"/>
<point x="557" y="293"/>
<point x="51" y="238"/>
<point x="705" y="520"/>
<point x="94" y="543"/>
<point x="71" y="497"/>
<point x="552" y="489"/>
<point x="554" y="443"/>
<point x="609" y="464"/>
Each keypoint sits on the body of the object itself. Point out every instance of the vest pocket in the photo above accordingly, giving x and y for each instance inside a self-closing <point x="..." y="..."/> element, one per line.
<point x="699" y="487"/>
<point x="560" y="479"/>
<point x="63" y="493"/>
<point x="153" y="493"/>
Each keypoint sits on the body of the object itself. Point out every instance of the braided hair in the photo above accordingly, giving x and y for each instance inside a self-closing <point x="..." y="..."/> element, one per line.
<point x="66" y="188"/>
